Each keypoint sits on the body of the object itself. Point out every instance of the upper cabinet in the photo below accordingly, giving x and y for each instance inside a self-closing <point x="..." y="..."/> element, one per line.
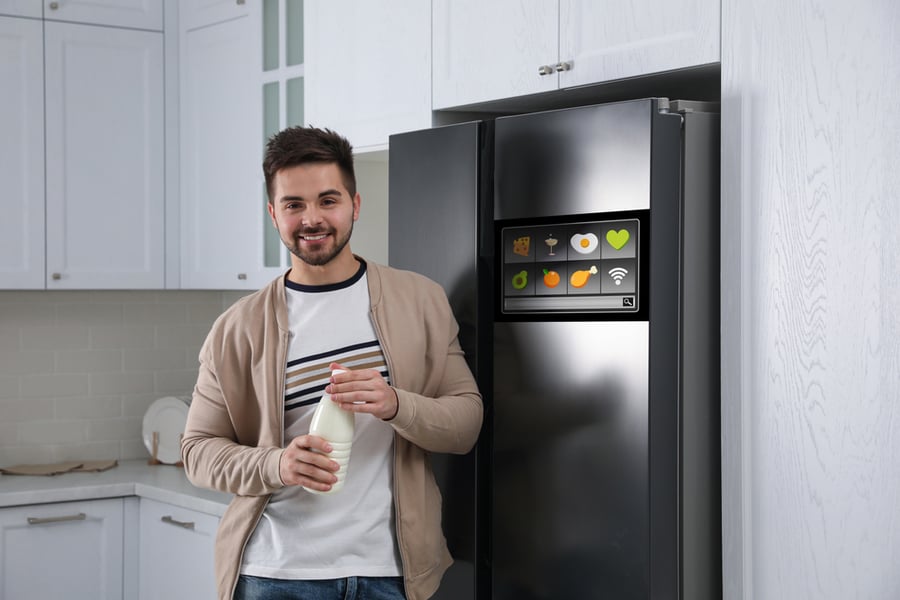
<point x="368" y="68"/>
<point x="227" y="239"/>
<point x="21" y="8"/>
<point x="486" y="51"/>
<point x="21" y="153"/>
<point x="104" y="157"/>
<point x="96" y="164"/>
<point x="135" y="14"/>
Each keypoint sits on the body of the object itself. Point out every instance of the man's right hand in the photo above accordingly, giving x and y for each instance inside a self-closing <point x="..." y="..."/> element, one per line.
<point x="303" y="463"/>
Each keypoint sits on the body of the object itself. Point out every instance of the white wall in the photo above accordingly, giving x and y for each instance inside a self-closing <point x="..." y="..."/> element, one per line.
<point x="78" y="369"/>
<point x="811" y="299"/>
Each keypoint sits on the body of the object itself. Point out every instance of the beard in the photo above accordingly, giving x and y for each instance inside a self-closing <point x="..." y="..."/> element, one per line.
<point x="321" y="256"/>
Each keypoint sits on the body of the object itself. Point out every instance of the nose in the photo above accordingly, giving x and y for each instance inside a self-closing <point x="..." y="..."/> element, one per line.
<point x="312" y="217"/>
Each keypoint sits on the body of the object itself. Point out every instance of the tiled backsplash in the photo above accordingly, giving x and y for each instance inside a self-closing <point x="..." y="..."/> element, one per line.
<point x="78" y="369"/>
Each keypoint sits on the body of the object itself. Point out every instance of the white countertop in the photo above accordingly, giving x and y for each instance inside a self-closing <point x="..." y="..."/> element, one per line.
<point x="165" y="483"/>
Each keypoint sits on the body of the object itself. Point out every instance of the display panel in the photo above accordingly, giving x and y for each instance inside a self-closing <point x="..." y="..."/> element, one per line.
<point x="588" y="266"/>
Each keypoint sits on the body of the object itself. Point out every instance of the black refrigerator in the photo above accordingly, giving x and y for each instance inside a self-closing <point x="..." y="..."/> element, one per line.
<point x="579" y="249"/>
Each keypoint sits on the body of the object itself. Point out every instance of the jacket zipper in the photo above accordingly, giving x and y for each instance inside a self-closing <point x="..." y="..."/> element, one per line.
<point x="282" y="368"/>
<point x="400" y="544"/>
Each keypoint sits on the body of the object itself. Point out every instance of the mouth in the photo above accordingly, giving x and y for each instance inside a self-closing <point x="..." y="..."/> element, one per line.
<point x="312" y="237"/>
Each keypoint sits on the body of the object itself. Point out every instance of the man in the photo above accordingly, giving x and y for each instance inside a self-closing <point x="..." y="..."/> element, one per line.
<point x="265" y="364"/>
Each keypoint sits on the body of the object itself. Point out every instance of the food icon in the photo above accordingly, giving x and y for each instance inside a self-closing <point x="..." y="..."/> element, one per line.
<point x="521" y="245"/>
<point x="520" y="280"/>
<point x="580" y="278"/>
<point x="617" y="239"/>
<point x="551" y="278"/>
<point x="584" y="243"/>
<point x="551" y="242"/>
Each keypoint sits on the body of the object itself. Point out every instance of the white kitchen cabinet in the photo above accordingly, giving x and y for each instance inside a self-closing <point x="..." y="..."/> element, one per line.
<point x="176" y="552"/>
<point x="62" y="550"/>
<point x="222" y="186"/>
<point x="137" y="14"/>
<point x="21" y="8"/>
<point x="21" y="153"/>
<point x="486" y="51"/>
<point x="200" y="13"/>
<point x="368" y="68"/>
<point x="104" y="157"/>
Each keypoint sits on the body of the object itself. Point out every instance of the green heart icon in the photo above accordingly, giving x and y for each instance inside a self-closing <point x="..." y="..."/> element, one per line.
<point x="617" y="239"/>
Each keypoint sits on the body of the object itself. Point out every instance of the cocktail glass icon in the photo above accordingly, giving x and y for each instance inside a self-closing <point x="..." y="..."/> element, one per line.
<point x="551" y="242"/>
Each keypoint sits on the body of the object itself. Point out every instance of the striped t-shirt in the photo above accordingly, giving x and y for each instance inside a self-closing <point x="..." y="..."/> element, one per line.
<point x="351" y="532"/>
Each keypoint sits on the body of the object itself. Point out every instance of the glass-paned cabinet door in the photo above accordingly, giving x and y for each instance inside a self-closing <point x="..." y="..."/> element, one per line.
<point x="282" y="92"/>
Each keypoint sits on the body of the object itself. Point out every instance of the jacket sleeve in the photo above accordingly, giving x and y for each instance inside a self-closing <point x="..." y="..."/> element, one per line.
<point x="450" y="420"/>
<point x="209" y="449"/>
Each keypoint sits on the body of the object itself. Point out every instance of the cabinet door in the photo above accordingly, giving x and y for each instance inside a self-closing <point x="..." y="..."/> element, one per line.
<point x="222" y="185"/>
<point x="492" y="50"/>
<point x="367" y="75"/>
<point x="139" y="14"/>
<point x="64" y="550"/>
<point x="105" y="188"/>
<point x="21" y="153"/>
<point x="199" y="13"/>
<point x="605" y="40"/>
<point x="176" y="550"/>
<point x="21" y="8"/>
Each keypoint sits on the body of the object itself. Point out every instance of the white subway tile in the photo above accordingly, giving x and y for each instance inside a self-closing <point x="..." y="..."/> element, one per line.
<point x="88" y="361"/>
<point x="52" y="432"/>
<point x="55" y="385"/>
<point x="25" y="362"/>
<point x="104" y="407"/>
<point x="134" y="336"/>
<point x="133" y="382"/>
<point x="104" y="450"/>
<point x="55" y="337"/>
<point x="91" y="314"/>
<point x="20" y="410"/>
<point x="152" y="359"/>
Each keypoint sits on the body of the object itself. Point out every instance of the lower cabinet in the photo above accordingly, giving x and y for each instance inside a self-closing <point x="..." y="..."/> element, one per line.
<point x="176" y="552"/>
<point x="62" y="550"/>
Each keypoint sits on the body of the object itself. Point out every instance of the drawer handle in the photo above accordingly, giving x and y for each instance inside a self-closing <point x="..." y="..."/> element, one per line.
<point x="43" y="520"/>
<point x="185" y="524"/>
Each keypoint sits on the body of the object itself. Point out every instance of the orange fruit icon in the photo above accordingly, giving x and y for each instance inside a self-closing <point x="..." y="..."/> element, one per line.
<point x="551" y="278"/>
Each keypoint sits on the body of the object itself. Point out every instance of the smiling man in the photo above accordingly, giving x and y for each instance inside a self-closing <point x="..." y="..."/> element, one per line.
<point x="266" y="363"/>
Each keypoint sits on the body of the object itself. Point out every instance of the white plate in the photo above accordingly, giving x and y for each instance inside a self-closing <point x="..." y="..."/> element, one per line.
<point x="166" y="416"/>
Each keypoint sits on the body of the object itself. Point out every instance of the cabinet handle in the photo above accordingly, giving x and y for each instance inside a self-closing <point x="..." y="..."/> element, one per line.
<point x="563" y="66"/>
<point x="545" y="70"/>
<point x="241" y="2"/>
<point x="56" y="276"/>
<point x="43" y="520"/>
<point x="185" y="524"/>
<point x="54" y="5"/>
<point x="242" y="276"/>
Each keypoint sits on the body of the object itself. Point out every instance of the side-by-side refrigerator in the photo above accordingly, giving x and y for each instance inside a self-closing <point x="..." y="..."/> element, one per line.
<point x="579" y="249"/>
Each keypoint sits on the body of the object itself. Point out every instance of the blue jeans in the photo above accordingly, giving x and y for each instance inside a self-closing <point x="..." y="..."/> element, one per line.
<point x="349" y="588"/>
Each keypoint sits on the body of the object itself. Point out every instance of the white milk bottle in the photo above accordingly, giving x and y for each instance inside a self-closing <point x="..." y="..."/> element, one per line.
<point x="335" y="425"/>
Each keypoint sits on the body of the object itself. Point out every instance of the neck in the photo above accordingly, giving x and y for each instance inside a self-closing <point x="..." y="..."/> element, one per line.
<point x="341" y="268"/>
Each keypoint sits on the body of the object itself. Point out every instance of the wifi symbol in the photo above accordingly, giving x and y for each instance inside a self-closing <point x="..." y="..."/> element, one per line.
<point x="618" y="274"/>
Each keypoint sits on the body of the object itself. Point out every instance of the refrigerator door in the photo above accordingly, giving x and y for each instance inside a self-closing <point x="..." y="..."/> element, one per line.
<point x="570" y="458"/>
<point x="436" y="180"/>
<point x="577" y="426"/>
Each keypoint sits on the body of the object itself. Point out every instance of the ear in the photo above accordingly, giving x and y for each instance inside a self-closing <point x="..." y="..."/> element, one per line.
<point x="357" y="200"/>
<point x="271" y="209"/>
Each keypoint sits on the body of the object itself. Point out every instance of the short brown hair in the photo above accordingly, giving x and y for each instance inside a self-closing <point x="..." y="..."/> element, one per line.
<point x="300" y="145"/>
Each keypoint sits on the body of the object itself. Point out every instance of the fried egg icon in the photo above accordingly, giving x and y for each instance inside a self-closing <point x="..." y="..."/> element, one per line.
<point x="584" y="244"/>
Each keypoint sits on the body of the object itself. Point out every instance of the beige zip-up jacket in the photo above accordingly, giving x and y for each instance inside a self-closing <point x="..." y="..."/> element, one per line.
<point x="234" y="435"/>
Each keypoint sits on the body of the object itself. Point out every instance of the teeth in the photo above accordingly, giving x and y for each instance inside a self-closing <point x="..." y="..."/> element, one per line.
<point x="314" y="238"/>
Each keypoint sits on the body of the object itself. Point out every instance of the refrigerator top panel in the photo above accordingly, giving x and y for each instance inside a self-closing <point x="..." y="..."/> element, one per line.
<point x="574" y="161"/>
<point x="567" y="267"/>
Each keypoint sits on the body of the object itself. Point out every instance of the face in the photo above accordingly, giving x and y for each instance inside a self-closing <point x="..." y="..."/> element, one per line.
<point x="313" y="213"/>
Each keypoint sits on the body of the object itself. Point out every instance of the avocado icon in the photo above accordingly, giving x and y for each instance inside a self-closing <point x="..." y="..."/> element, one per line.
<point x="520" y="280"/>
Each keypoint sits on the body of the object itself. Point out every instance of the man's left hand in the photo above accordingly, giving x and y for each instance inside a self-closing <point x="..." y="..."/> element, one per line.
<point x="363" y="391"/>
